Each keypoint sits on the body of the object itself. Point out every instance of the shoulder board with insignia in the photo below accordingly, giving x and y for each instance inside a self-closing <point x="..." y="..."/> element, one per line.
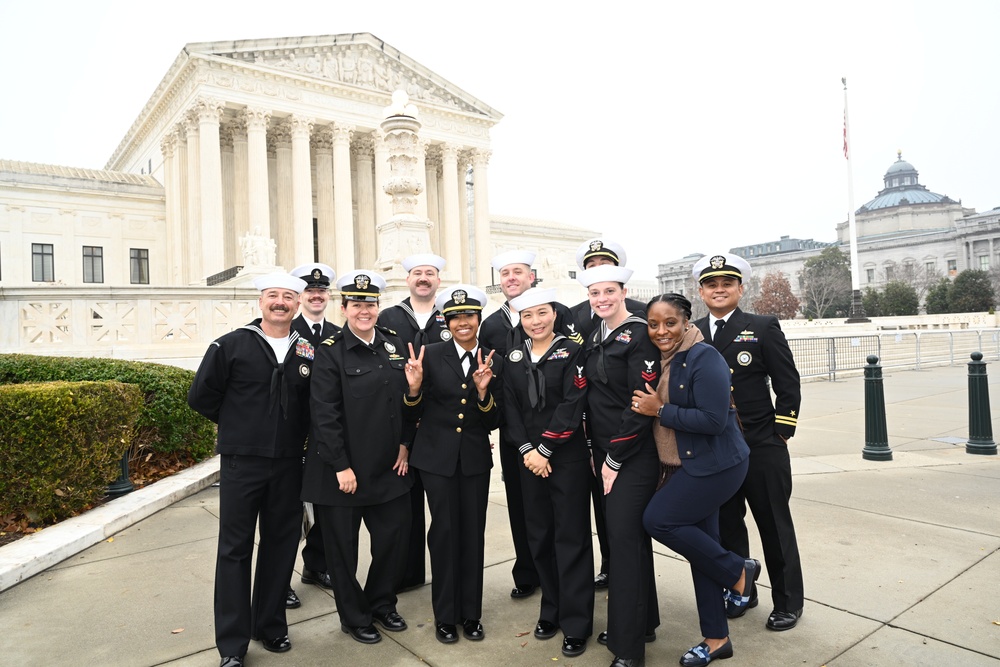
<point x="386" y="330"/>
<point x="333" y="339"/>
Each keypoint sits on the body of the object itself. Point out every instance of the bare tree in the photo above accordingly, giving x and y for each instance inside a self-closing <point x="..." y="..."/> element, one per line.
<point x="919" y="277"/>
<point x="826" y="284"/>
<point x="776" y="298"/>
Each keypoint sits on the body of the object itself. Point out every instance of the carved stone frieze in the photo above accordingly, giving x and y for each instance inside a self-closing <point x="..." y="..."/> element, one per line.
<point x="356" y="65"/>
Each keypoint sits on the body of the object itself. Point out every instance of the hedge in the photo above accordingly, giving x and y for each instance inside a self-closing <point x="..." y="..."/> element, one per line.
<point x="62" y="444"/>
<point x="165" y="423"/>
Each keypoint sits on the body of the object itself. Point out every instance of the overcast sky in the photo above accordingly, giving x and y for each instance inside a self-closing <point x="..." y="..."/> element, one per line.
<point x="671" y="127"/>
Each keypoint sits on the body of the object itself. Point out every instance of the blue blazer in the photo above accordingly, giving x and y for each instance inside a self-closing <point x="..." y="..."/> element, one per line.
<point x="709" y="439"/>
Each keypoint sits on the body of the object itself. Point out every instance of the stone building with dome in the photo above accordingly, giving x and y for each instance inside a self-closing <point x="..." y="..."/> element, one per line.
<point x="905" y="232"/>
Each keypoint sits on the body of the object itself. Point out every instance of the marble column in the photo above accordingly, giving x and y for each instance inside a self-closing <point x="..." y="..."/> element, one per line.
<point x="285" y="239"/>
<point x="481" y="216"/>
<point x="463" y="218"/>
<point x="326" y="238"/>
<point x="272" y="187"/>
<point x="451" y="233"/>
<point x="302" y="204"/>
<point x="171" y="185"/>
<point x="383" y="207"/>
<point x="209" y="113"/>
<point x="241" y="182"/>
<point x="192" y="229"/>
<point x="432" y="161"/>
<point x="257" y="195"/>
<point x="343" y="207"/>
<point x="420" y="172"/>
<point x="363" y="156"/>
<point x="229" y="246"/>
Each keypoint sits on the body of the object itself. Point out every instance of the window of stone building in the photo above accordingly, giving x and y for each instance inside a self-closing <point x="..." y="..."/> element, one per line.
<point x="93" y="264"/>
<point x="890" y="273"/>
<point x="870" y="275"/>
<point x="984" y="262"/>
<point x="929" y="266"/>
<point x="42" y="264"/>
<point x="138" y="260"/>
<point x="952" y="267"/>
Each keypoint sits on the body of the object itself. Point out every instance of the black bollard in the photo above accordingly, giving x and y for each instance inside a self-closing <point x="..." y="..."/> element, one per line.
<point x="876" y="436"/>
<point x="980" y="424"/>
<point x="123" y="484"/>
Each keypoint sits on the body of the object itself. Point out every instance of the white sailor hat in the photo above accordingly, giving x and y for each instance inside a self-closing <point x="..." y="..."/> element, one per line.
<point x="532" y="297"/>
<point x="315" y="275"/>
<point x="280" y="280"/>
<point x="460" y="299"/>
<point x="361" y="285"/>
<point x="600" y="248"/>
<point x="605" y="273"/>
<point x="513" y="257"/>
<point x="726" y="264"/>
<point x="423" y="259"/>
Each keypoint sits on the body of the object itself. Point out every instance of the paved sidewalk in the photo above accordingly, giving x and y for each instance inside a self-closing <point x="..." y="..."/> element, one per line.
<point x="901" y="560"/>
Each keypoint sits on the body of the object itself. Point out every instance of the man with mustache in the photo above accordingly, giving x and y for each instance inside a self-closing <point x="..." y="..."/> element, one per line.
<point x="417" y="321"/>
<point x="254" y="383"/>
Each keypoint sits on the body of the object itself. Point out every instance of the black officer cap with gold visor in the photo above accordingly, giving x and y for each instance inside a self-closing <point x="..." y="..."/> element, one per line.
<point x="360" y="285"/>
<point x="712" y="266"/>
<point x="460" y="299"/>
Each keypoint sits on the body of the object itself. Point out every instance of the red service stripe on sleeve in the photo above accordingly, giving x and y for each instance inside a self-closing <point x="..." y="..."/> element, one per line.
<point x="628" y="437"/>
<point x="648" y="377"/>
<point x="579" y="382"/>
<point x="557" y="436"/>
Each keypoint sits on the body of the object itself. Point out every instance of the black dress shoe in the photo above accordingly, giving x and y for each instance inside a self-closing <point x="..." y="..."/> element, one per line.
<point x="473" y="629"/>
<point x="601" y="580"/>
<point x="573" y="646"/>
<point x="545" y="630"/>
<point x="366" y="634"/>
<point x="522" y="591"/>
<point x="783" y="620"/>
<point x="292" y="600"/>
<point x="739" y="603"/>
<point x="279" y="645"/>
<point x="699" y="655"/>
<point x="649" y="638"/>
<point x="389" y="620"/>
<point x="321" y="579"/>
<point x="232" y="661"/>
<point x="446" y="633"/>
<point x="628" y="662"/>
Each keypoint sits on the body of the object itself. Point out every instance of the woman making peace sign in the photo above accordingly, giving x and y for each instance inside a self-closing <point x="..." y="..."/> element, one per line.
<point x="449" y="394"/>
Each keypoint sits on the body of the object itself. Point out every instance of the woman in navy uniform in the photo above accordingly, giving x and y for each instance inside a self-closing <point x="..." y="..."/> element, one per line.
<point x="356" y="462"/>
<point x="697" y="423"/>
<point x="449" y="394"/>
<point x="621" y="359"/>
<point x="544" y="397"/>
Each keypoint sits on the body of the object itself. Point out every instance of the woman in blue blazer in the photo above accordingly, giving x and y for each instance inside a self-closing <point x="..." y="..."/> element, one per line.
<point x="697" y="425"/>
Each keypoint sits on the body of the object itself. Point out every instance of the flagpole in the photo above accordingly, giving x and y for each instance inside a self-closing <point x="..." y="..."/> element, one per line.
<point x="857" y="313"/>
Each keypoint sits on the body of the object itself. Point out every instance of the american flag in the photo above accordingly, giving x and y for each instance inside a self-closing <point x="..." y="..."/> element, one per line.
<point x="845" y="135"/>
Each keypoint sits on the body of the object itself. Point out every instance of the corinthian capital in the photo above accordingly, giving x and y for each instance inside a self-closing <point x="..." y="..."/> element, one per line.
<point x="449" y="152"/>
<point x="169" y="143"/>
<point x="481" y="156"/>
<point x="342" y="133"/>
<point x="363" y="146"/>
<point x="208" y="109"/>
<point x="299" y="125"/>
<point x="256" y="118"/>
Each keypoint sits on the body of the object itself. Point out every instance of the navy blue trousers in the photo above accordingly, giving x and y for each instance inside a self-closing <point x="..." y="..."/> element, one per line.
<point x="684" y="516"/>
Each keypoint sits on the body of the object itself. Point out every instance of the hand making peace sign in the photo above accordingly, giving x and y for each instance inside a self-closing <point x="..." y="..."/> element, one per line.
<point x="484" y="373"/>
<point x="415" y="370"/>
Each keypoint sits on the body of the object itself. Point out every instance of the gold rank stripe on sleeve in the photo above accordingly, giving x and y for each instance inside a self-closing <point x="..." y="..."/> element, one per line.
<point x="787" y="421"/>
<point x="414" y="401"/>
<point x="489" y="405"/>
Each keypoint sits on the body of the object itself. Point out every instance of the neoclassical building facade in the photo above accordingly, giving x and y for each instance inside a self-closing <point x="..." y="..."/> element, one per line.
<point x="905" y="232"/>
<point x="265" y="152"/>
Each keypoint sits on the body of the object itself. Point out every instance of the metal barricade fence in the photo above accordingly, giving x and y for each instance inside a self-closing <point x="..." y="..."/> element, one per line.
<point x="828" y="355"/>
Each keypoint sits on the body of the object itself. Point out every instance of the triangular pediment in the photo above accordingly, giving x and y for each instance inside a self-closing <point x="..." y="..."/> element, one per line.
<point x="357" y="59"/>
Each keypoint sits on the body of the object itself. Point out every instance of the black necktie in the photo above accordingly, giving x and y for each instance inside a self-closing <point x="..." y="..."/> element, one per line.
<point x="467" y="357"/>
<point x="717" y="336"/>
<point x="317" y="329"/>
